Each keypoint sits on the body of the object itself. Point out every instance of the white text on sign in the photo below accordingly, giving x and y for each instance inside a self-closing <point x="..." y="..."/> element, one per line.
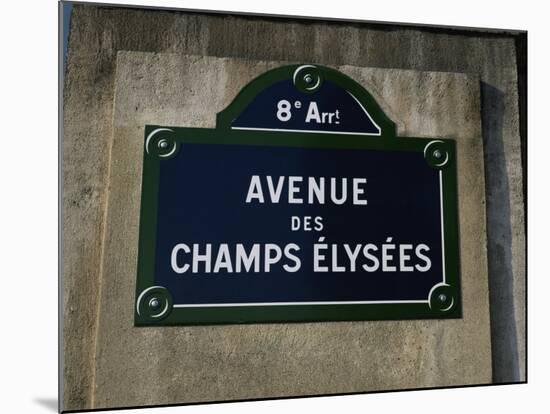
<point x="313" y="114"/>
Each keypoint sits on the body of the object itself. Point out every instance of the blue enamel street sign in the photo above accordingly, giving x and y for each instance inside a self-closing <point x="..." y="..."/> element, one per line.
<point x="302" y="205"/>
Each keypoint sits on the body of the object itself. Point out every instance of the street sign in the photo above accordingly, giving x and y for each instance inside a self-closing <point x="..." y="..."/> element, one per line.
<point x="301" y="205"/>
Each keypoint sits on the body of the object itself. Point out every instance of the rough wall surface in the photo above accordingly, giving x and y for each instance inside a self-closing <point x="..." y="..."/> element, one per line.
<point x="163" y="365"/>
<point x="98" y="33"/>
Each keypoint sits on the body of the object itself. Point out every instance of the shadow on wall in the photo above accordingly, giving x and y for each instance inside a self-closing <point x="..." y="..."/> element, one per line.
<point x="48" y="403"/>
<point x="499" y="240"/>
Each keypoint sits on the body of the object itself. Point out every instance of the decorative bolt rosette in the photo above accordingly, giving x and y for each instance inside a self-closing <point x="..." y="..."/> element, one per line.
<point x="307" y="78"/>
<point x="161" y="143"/>
<point x="437" y="154"/>
<point x="154" y="303"/>
<point x="442" y="298"/>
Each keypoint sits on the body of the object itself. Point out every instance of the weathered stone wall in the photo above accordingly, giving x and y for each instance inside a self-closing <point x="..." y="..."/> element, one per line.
<point x="97" y="34"/>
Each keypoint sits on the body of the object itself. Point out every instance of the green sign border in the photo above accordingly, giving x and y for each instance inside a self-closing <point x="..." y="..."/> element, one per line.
<point x="154" y="305"/>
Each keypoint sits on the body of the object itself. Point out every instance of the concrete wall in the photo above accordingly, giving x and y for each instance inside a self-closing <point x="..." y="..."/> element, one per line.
<point x="97" y="34"/>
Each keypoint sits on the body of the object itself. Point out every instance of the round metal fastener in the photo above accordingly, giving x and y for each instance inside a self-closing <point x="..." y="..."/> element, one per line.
<point x="154" y="303"/>
<point x="437" y="154"/>
<point x="162" y="143"/>
<point x="441" y="298"/>
<point x="307" y="78"/>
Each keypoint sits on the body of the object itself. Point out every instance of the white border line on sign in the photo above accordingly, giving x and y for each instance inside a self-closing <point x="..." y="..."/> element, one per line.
<point x="381" y="302"/>
<point x="368" y="115"/>
<point x="442" y="225"/>
<point x="309" y="131"/>
<point x="214" y="305"/>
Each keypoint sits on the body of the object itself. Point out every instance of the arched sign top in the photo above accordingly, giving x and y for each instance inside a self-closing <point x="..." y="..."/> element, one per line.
<point x="306" y="98"/>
